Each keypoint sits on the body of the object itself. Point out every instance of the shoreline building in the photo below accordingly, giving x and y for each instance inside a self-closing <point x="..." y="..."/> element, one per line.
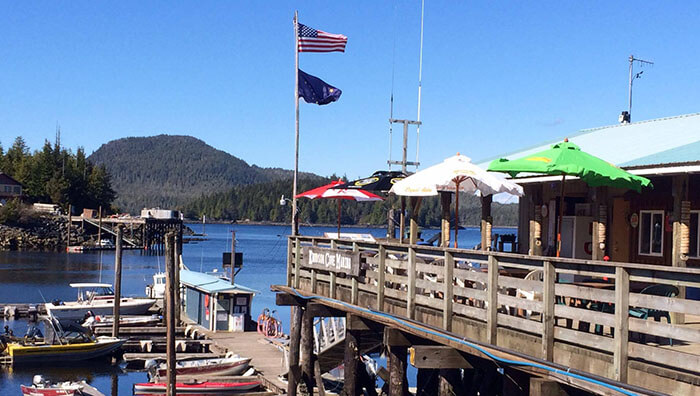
<point x="660" y="225"/>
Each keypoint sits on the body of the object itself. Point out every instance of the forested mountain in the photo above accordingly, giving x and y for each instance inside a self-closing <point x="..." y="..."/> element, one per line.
<point x="170" y="171"/>
<point x="261" y="202"/>
<point x="55" y="174"/>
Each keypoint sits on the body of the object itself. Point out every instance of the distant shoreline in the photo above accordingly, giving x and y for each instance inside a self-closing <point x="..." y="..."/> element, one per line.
<point x="275" y="223"/>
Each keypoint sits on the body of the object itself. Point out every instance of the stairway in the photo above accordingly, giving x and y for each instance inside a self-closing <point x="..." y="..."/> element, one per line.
<point x="329" y="342"/>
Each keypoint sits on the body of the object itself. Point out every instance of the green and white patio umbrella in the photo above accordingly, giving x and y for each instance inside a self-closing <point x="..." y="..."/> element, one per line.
<point x="567" y="159"/>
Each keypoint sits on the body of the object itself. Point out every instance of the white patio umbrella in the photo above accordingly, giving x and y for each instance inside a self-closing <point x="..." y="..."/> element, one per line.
<point x="456" y="173"/>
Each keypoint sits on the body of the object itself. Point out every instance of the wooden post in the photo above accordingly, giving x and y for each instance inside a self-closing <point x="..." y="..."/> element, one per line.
<point x="70" y="223"/>
<point x="486" y="222"/>
<point x="622" y="295"/>
<point x="415" y="207"/>
<point x="294" y="340"/>
<point x="354" y="292"/>
<point x="681" y="220"/>
<point x="99" y="226"/>
<point x="351" y="363"/>
<point x="307" y="350"/>
<point x="176" y="259"/>
<point x="492" y="300"/>
<point x="402" y="221"/>
<point x="290" y="246"/>
<point x="333" y="286"/>
<point x="411" y="303"/>
<point x="297" y="262"/>
<point x="548" y="298"/>
<point x="446" y="202"/>
<point x="448" y="293"/>
<point x="390" y="224"/>
<point x="544" y="387"/>
<point x="382" y="276"/>
<point x="117" y="282"/>
<point x="233" y="257"/>
<point x="170" y="312"/>
<point x="319" y="380"/>
<point x="397" y="354"/>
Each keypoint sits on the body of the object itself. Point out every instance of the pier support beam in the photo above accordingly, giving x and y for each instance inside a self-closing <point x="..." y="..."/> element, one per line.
<point x="446" y="202"/>
<point x="396" y="346"/>
<point x="294" y="374"/>
<point x="307" y="350"/>
<point x="170" y="312"/>
<point x="117" y="281"/>
<point x="352" y="364"/>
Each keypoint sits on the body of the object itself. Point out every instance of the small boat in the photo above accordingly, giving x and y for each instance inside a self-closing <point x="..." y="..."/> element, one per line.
<point x="126" y="321"/>
<point x="74" y="343"/>
<point x="97" y="298"/>
<point x="148" y="388"/>
<point x="157" y="289"/>
<point x="234" y="365"/>
<point x="39" y="387"/>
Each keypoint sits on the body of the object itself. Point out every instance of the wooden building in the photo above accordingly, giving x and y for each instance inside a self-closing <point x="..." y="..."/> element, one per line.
<point x="9" y="188"/>
<point x="657" y="226"/>
<point x="214" y="302"/>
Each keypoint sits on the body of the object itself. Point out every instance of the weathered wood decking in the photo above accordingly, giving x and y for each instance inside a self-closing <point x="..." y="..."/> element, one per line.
<point x="479" y="303"/>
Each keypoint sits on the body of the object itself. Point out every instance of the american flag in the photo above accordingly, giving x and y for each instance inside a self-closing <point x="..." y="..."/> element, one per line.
<point x="312" y="40"/>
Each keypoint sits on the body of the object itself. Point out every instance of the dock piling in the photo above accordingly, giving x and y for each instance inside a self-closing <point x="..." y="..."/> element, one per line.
<point x="294" y="341"/>
<point x="170" y="311"/>
<point x="117" y="281"/>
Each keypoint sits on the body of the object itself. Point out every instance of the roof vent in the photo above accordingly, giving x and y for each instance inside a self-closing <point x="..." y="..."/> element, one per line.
<point x="624" y="117"/>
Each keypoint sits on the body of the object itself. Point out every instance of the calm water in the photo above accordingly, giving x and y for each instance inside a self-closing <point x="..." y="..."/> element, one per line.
<point x="32" y="277"/>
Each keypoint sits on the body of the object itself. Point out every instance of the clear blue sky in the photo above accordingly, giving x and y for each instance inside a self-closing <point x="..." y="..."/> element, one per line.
<point x="497" y="76"/>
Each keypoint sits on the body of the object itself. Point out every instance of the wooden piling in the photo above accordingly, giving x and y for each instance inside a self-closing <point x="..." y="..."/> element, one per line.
<point x="397" y="353"/>
<point x="293" y="375"/>
<point x="307" y="350"/>
<point x="99" y="226"/>
<point x="177" y="252"/>
<point x="70" y="223"/>
<point x="117" y="281"/>
<point x="170" y="312"/>
<point x="351" y="364"/>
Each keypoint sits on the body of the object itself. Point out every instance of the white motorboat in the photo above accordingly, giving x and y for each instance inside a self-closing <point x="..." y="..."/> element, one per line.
<point x="97" y="298"/>
<point x="234" y="365"/>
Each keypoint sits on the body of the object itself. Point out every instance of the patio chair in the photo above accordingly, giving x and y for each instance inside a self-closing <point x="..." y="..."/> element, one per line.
<point x="657" y="314"/>
<point x="536" y="275"/>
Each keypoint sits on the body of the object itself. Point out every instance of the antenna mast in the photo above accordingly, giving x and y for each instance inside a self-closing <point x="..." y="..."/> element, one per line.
<point x="404" y="159"/>
<point x="633" y="76"/>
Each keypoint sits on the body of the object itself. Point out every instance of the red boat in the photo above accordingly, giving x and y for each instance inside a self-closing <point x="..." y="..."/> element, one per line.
<point x="148" y="388"/>
<point x="40" y="387"/>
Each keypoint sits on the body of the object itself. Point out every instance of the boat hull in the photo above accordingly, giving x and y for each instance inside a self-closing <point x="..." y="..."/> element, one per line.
<point x="204" y="387"/>
<point x="23" y="354"/>
<point x="51" y="391"/>
<point x="216" y="366"/>
<point x="77" y="311"/>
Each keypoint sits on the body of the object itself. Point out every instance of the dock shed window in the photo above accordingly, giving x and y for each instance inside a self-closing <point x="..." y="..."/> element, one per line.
<point x="694" y="249"/>
<point x="651" y="232"/>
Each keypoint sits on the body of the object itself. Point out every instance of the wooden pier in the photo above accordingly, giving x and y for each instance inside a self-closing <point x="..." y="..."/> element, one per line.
<point x="147" y="233"/>
<point x="455" y="312"/>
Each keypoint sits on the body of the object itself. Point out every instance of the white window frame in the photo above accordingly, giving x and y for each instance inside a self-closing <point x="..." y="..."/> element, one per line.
<point x="639" y="235"/>
<point x="697" y="249"/>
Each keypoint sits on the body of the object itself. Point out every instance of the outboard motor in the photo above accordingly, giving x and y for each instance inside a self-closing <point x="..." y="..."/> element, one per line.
<point x="38" y="380"/>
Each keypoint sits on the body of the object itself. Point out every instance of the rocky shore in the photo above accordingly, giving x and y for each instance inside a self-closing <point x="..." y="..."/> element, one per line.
<point x="45" y="233"/>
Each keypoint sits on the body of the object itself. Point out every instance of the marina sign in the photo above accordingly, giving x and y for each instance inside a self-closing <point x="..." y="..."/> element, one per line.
<point x="334" y="260"/>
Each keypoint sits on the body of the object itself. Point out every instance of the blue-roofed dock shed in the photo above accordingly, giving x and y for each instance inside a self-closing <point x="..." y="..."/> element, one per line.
<point x="214" y="303"/>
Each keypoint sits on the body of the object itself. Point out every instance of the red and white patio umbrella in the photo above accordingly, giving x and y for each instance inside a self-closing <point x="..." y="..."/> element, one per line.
<point x="328" y="191"/>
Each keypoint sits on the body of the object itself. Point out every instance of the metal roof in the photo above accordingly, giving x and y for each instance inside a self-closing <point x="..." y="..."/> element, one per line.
<point x="659" y="141"/>
<point x="211" y="284"/>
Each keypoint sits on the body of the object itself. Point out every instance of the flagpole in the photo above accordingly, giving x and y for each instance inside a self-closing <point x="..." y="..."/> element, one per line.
<point x="295" y="225"/>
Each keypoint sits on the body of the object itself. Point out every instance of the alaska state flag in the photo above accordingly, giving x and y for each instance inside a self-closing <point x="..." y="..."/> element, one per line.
<point x="315" y="90"/>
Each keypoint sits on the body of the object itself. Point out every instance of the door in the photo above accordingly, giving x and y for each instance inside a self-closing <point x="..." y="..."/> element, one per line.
<point x="619" y="244"/>
<point x="567" y="236"/>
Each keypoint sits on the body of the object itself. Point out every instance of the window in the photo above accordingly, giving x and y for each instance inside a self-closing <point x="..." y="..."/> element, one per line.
<point x="17" y="190"/>
<point x="651" y="232"/>
<point x="694" y="240"/>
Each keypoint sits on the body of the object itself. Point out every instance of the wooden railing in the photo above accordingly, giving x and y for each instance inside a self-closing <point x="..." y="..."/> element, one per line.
<point x="523" y="293"/>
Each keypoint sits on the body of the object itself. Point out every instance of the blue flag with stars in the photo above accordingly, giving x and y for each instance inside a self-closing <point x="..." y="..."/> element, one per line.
<point x="315" y="90"/>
